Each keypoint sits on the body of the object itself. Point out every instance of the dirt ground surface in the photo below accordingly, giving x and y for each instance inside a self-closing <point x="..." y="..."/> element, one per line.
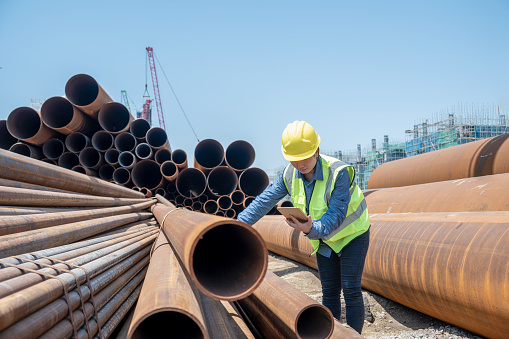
<point x="384" y="318"/>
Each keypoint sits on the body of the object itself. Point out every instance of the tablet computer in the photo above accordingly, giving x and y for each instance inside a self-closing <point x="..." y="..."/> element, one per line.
<point x="295" y="211"/>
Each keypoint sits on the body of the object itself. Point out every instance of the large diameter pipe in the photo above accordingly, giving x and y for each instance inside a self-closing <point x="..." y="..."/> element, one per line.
<point x="158" y="139"/>
<point x="59" y="114"/>
<point x="169" y="170"/>
<point x="6" y="138"/>
<point x="166" y="299"/>
<point x="19" y="184"/>
<point x="106" y="172"/>
<point x="301" y="316"/>
<point x="139" y="128"/>
<point x="27" y="150"/>
<point x="13" y="196"/>
<point x="53" y="148"/>
<point x="125" y="142"/>
<point x="15" y="224"/>
<point x="451" y="266"/>
<point x="114" y="118"/>
<point x="146" y="173"/>
<point x="68" y="160"/>
<point x="191" y="182"/>
<point x="77" y="142"/>
<point x="103" y="141"/>
<point x="204" y="244"/>
<point x="26" y="124"/>
<point x="28" y="241"/>
<point x="91" y="158"/>
<point x="222" y="180"/>
<point x="239" y="155"/>
<point x="478" y="158"/>
<point x="253" y="181"/>
<point x="122" y="176"/>
<point x="486" y="193"/>
<point x="208" y="154"/>
<point x="20" y="168"/>
<point x="85" y="93"/>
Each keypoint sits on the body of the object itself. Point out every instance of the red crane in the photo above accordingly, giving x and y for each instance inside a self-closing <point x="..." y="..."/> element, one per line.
<point x="155" y="84"/>
<point x="146" y="108"/>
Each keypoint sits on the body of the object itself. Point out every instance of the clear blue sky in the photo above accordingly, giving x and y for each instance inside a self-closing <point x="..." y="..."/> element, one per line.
<point x="355" y="70"/>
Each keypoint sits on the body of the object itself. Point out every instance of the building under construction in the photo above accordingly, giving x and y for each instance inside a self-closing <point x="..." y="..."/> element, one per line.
<point x="460" y="124"/>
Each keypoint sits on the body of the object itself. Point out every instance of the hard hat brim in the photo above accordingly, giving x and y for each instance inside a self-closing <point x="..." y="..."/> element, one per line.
<point x="302" y="156"/>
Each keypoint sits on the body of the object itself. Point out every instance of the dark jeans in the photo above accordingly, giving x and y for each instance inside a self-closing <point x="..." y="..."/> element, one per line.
<point x="345" y="272"/>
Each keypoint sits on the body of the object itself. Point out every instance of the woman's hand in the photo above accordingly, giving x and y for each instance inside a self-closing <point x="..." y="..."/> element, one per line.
<point x="301" y="226"/>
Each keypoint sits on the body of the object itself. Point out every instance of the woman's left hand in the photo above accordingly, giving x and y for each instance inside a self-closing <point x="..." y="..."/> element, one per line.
<point x="301" y="226"/>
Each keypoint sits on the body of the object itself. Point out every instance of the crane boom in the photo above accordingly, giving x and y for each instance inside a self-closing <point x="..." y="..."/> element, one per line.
<point x="155" y="84"/>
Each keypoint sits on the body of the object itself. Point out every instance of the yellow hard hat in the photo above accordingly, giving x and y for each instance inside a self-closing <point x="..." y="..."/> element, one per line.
<point x="300" y="141"/>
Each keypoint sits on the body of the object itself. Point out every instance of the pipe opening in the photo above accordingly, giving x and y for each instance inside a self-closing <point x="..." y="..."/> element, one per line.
<point x="102" y="141"/>
<point x="147" y="173"/>
<point x="106" y="172"/>
<point x="81" y="89"/>
<point x="210" y="207"/>
<point x="162" y="155"/>
<point x="179" y="157"/>
<point x="139" y="128"/>
<point x="6" y="138"/>
<point x="237" y="197"/>
<point x="21" y="149"/>
<point x="125" y="142"/>
<point x="191" y="182"/>
<point x="57" y="112"/>
<point x="240" y="155"/>
<point x="209" y="153"/>
<point x="224" y="202"/>
<point x="222" y="180"/>
<point x="143" y="151"/>
<point x="169" y="169"/>
<point x="111" y="156"/>
<point x="68" y="160"/>
<point x="79" y="169"/>
<point x="314" y="322"/>
<point x="225" y="275"/>
<point x="90" y="157"/>
<point x="53" y="148"/>
<point x="156" y="137"/>
<point x="253" y="181"/>
<point x="76" y="142"/>
<point x="23" y="122"/>
<point x="168" y="324"/>
<point x="114" y="117"/>
<point x="126" y="159"/>
<point x="121" y="176"/>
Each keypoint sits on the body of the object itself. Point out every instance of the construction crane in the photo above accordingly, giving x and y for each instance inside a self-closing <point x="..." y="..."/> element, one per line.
<point x="155" y="85"/>
<point x="124" y="101"/>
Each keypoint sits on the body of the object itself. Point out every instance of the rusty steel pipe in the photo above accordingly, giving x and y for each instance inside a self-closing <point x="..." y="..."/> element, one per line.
<point x="13" y="196"/>
<point x="28" y="241"/>
<point x="125" y="141"/>
<point x="208" y="154"/>
<point x="162" y="155"/>
<point x="239" y="155"/>
<point x="106" y="172"/>
<point x="53" y="148"/>
<point x="486" y="193"/>
<point x="59" y="114"/>
<point x="197" y="205"/>
<point x="253" y="181"/>
<point x="85" y="93"/>
<point x="146" y="173"/>
<point x="127" y="160"/>
<point x="19" y="168"/>
<point x="50" y="161"/>
<point x="179" y="157"/>
<point x="230" y="213"/>
<point x="210" y="207"/>
<point x="26" y="124"/>
<point x="16" y="224"/>
<point x="77" y="142"/>
<point x="126" y="323"/>
<point x="166" y="299"/>
<point x="284" y="240"/>
<point x="68" y="160"/>
<point x="478" y="158"/>
<point x="85" y="170"/>
<point x="20" y="210"/>
<point x="111" y="156"/>
<point x="144" y="151"/>
<point x="237" y="197"/>
<point x="204" y="243"/>
<point x="114" y="118"/>
<point x="169" y="170"/>
<point x="27" y="150"/>
<point x="103" y="285"/>
<point x="191" y="182"/>
<point x="139" y="128"/>
<point x="6" y="138"/>
<point x="224" y="202"/>
<point x="91" y="158"/>
<point x="20" y="304"/>
<point x="301" y="316"/>
<point x="158" y="139"/>
<point x="451" y="266"/>
<point x="103" y="141"/>
<point x="19" y="184"/>
<point x="146" y="192"/>
<point x="247" y="201"/>
<point x="222" y="180"/>
<point x="344" y="331"/>
<point x="122" y="176"/>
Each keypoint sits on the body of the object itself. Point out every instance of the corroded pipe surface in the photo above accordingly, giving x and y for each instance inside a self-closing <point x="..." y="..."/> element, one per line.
<point x="20" y="168"/>
<point x="84" y="170"/>
<point x="478" y="158"/>
<point x="166" y="299"/>
<point x="13" y="196"/>
<point x="179" y="157"/>
<point x="158" y="139"/>
<point x="6" y="138"/>
<point x="451" y="266"/>
<point x="208" y="154"/>
<point x="26" y="124"/>
<point x="344" y="331"/>
<point x="15" y="224"/>
<point x="114" y="118"/>
<point x="169" y="170"/>
<point x="27" y="150"/>
<point x="204" y="244"/>
<point x="301" y="316"/>
<point x="59" y="114"/>
<point x="285" y="240"/>
<point x="253" y="181"/>
<point x="84" y="92"/>
<point x="486" y="193"/>
<point x="146" y="173"/>
<point x="239" y="155"/>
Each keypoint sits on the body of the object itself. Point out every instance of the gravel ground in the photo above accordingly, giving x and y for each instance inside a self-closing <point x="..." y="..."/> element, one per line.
<point x="384" y="318"/>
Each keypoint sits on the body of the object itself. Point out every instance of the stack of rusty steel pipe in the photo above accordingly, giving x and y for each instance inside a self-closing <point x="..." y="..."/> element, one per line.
<point x="439" y="235"/>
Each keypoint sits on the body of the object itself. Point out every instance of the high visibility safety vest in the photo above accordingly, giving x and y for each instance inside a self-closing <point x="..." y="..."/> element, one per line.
<point x="356" y="221"/>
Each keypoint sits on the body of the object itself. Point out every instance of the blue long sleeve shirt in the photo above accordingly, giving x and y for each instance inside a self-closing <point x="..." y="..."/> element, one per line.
<point x="336" y="213"/>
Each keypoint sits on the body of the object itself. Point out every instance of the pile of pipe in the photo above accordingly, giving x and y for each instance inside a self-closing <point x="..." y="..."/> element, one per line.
<point x="439" y="235"/>
<point x="88" y="133"/>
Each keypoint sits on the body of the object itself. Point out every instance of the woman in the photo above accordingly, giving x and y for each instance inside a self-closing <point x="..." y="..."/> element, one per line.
<point x="338" y="224"/>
